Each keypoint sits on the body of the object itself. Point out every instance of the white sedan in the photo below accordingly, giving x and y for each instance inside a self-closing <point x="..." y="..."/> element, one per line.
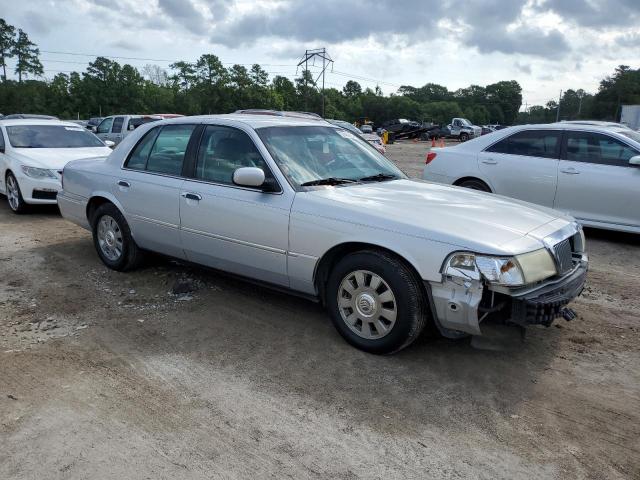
<point x="591" y="172"/>
<point x="33" y="154"/>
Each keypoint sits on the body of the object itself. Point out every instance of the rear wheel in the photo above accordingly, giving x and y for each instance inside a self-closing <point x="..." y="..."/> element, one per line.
<point x="14" y="195"/>
<point x="475" y="184"/>
<point x="112" y="239"/>
<point x="376" y="302"/>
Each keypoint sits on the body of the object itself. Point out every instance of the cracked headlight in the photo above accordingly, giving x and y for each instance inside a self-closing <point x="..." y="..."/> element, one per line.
<point x="35" y="172"/>
<point x="508" y="271"/>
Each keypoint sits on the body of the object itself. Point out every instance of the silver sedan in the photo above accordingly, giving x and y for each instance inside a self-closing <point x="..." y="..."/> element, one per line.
<point x="297" y="203"/>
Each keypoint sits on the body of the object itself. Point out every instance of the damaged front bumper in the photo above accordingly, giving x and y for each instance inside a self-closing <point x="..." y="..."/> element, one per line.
<point x="460" y="306"/>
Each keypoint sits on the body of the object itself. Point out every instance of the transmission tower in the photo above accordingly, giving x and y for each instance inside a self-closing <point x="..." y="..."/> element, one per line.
<point x="310" y="56"/>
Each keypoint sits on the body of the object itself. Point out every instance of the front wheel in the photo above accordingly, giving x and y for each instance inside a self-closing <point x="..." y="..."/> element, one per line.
<point x="112" y="239"/>
<point x="14" y="195"/>
<point x="376" y="302"/>
<point x="464" y="137"/>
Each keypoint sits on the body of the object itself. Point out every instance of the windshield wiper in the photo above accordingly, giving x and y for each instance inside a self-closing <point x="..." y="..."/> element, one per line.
<point x="378" y="177"/>
<point x="327" y="181"/>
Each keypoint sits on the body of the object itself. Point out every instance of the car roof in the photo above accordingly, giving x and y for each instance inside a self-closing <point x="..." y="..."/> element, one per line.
<point x="254" y="120"/>
<point x="34" y="121"/>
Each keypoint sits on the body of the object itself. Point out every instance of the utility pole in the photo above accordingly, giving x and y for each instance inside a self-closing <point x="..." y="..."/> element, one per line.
<point x="326" y="61"/>
<point x="558" y="111"/>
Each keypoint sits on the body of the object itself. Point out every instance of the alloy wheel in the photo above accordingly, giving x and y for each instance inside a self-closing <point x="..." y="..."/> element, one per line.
<point x="367" y="304"/>
<point x="110" y="238"/>
<point x="13" y="192"/>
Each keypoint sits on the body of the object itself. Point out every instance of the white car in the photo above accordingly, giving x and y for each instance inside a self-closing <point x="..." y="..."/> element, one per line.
<point x="33" y="154"/>
<point x="307" y="206"/>
<point x="588" y="171"/>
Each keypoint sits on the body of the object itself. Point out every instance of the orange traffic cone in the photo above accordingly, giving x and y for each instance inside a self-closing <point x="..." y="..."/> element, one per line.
<point x="442" y="143"/>
<point x="415" y="140"/>
<point x="433" y="142"/>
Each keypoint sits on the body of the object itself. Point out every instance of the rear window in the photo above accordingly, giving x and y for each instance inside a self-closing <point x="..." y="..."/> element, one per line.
<point x="51" y="136"/>
<point x="530" y="143"/>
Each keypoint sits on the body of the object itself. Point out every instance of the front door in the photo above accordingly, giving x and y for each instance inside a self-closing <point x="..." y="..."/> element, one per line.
<point x="596" y="182"/>
<point x="149" y="188"/>
<point x="104" y="129"/>
<point x="524" y="165"/>
<point x="232" y="228"/>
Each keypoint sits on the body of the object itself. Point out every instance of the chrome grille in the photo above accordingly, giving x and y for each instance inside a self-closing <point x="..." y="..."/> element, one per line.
<point x="564" y="256"/>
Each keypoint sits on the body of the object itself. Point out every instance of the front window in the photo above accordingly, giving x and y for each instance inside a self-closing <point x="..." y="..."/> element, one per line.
<point x="51" y="136"/>
<point x="105" y="125"/>
<point x="308" y="154"/>
<point x="465" y="123"/>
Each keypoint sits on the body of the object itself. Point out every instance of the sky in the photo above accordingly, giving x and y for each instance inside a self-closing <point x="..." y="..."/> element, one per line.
<point x="546" y="45"/>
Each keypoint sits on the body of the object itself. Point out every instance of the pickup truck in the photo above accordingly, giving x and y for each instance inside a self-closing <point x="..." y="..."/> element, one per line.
<point x="460" y="129"/>
<point x="116" y="127"/>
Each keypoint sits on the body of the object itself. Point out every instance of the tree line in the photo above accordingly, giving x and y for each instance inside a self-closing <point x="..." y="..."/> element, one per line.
<point x="206" y="86"/>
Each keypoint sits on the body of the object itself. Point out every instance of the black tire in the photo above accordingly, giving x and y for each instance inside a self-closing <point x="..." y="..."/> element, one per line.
<point x="475" y="184"/>
<point x="464" y="137"/>
<point x="411" y="307"/>
<point x="130" y="254"/>
<point x="19" y="205"/>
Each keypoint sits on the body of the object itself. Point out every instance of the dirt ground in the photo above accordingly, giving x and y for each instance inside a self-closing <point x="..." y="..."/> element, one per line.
<point x="174" y="372"/>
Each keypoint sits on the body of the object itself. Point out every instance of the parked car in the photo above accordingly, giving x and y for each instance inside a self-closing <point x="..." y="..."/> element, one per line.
<point x="34" y="116"/>
<point x="93" y="123"/>
<point x="366" y="128"/>
<point x="117" y="127"/>
<point x="588" y="171"/>
<point x="371" y="138"/>
<point x="306" y="206"/>
<point x="33" y="154"/>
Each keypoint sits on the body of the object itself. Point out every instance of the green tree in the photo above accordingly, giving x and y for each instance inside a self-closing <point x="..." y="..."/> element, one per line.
<point x="352" y="89"/>
<point x="27" y="56"/>
<point x="7" y="43"/>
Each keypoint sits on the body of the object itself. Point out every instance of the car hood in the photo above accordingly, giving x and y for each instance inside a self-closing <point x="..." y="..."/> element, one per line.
<point x="56" y="158"/>
<point x="468" y="219"/>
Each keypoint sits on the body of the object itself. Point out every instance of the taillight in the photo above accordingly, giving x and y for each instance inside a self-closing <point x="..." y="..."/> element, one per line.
<point x="430" y="157"/>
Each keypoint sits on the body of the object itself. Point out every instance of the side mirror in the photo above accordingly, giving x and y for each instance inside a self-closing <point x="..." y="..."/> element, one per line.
<point x="93" y="129"/>
<point x="109" y="143"/>
<point x="131" y="127"/>
<point x="249" y="177"/>
<point x="635" y="161"/>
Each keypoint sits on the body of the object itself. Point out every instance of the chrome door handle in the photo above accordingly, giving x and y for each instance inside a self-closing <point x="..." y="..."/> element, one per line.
<point x="490" y="161"/>
<point x="122" y="183"/>
<point x="570" y="171"/>
<point x="192" y="196"/>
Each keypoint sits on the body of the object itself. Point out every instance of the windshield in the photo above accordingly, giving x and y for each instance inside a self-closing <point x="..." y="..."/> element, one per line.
<point x="633" y="135"/>
<point x="306" y="154"/>
<point x="51" y="136"/>
<point x="465" y="122"/>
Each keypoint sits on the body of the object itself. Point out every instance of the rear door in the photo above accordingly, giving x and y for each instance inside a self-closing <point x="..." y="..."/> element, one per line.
<point x="524" y="165"/>
<point x="149" y="187"/>
<point x="596" y="182"/>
